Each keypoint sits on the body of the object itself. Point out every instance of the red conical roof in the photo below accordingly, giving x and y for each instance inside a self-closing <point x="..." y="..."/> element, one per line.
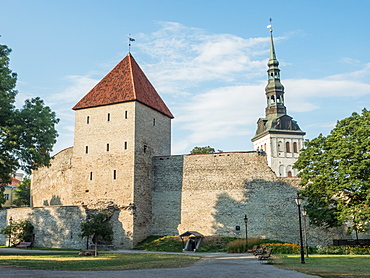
<point x="125" y="82"/>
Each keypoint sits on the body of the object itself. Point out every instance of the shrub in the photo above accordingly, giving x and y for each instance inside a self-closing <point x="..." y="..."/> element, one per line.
<point x="236" y="246"/>
<point x="19" y="231"/>
<point x="284" y="248"/>
<point x="159" y="243"/>
<point x="215" y="244"/>
<point x="344" y="250"/>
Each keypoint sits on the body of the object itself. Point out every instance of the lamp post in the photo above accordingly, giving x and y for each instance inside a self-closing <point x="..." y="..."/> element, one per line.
<point x="10" y="228"/>
<point x="304" y="214"/>
<point x="246" y="232"/>
<point x="298" y="201"/>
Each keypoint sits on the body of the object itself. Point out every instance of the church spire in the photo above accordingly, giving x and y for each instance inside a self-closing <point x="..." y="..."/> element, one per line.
<point x="274" y="89"/>
<point x="276" y="119"/>
<point x="277" y="135"/>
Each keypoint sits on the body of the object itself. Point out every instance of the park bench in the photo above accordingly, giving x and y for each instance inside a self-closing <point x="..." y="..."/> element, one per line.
<point x="254" y="249"/>
<point x="266" y="256"/>
<point x="24" y="244"/>
<point x="260" y="251"/>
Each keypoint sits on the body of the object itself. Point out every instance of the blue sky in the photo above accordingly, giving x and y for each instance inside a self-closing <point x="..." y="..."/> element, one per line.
<point x="207" y="60"/>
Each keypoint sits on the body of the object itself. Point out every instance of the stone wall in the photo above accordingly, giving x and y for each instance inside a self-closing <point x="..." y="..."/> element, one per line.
<point x="152" y="138"/>
<point x="211" y="193"/>
<point x="60" y="226"/>
<point x="52" y="185"/>
<point x="103" y="156"/>
<point x="54" y="226"/>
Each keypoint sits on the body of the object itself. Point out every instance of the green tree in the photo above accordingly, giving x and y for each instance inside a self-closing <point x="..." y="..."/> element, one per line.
<point x="98" y="226"/>
<point x="27" y="135"/>
<point x="335" y="171"/>
<point x="23" y="193"/>
<point x="206" y="149"/>
<point x="19" y="231"/>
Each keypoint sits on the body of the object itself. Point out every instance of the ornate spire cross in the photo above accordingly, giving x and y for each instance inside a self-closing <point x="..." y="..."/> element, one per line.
<point x="270" y="25"/>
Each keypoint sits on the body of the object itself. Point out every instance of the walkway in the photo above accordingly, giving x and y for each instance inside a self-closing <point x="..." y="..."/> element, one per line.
<point x="212" y="265"/>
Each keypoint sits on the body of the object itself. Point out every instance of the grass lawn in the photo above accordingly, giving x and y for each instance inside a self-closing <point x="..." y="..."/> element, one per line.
<point x="327" y="266"/>
<point x="105" y="261"/>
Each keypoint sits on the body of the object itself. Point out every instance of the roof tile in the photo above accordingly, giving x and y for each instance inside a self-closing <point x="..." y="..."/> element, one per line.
<point x="125" y="82"/>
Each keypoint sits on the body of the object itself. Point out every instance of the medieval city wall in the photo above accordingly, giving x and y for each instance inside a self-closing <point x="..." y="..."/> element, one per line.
<point x="54" y="226"/>
<point x="211" y="193"/>
<point x="52" y="185"/>
<point x="152" y="138"/>
<point x="60" y="226"/>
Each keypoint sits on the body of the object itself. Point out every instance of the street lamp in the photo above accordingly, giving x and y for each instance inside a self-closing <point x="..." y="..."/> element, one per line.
<point x="246" y="232"/>
<point x="10" y="228"/>
<point x="304" y="214"/>
<point x="298" y="201"/>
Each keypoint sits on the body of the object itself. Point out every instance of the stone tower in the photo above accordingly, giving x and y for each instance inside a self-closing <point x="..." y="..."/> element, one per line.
<point x="119" y="126"/>
<point x="277" y="135"/>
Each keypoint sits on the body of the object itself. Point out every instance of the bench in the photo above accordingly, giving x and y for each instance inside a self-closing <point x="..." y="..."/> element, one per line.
<point x="266" y="256"/>
<point x="254" y="249"/>
<point x="24" y="244"/>
<point x="260" y="251"/>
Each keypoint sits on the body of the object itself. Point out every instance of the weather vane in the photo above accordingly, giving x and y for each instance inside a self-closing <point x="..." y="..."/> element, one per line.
<point x="130" y="39"/>
<point x="270" y="25"/>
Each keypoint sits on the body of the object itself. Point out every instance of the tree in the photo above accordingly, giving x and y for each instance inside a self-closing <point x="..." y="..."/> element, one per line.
<point x="23" y="193"/>
<point x="206" y="149"/>
<point x="335" y="171"/>
<point x="19" y="231"/>
<point x="27" y="135"/>
<point x="98" y="226"/>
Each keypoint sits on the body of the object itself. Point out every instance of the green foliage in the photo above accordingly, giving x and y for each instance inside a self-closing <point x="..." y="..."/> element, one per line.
<point x="206" y="149"/>
<point x="158" y="243"/>
<point x="335" y="171"/>
<point x="214" y="244"/>
<point x="236" y="246"/>
<point x="23" y="193"/>
<point x="98" y="226"/>
<point x="27" y="135"/>
<point x="19" y="231"/>
<point x="174" y="244"/>
<point x="344" y="250"/>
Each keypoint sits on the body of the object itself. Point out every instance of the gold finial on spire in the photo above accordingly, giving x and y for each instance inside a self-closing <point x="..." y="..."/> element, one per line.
<point x="130" y="39"/>
<point x="270" y="25"/>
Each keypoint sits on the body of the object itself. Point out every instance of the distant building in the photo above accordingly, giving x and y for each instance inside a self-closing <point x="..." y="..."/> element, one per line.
<point x="9" y="192"/>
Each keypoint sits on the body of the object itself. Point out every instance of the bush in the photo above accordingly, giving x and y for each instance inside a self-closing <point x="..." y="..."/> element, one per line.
<point x="284" y="248"/>
<point x="215" y="244"/>
<point x="159" y="243"/>
<point x="174" y="244"/>
<point x="238" y="246"/>
<point x="344" y="250"/>
<point x="19" y="231"/>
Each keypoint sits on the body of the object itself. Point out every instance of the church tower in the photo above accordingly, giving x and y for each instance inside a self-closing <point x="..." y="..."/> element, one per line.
<point x="277" y="135"/>
<point x="120" y="125"/>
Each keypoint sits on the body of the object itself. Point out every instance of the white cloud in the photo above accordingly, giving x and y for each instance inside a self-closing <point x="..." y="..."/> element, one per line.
<point x="79" y="86"/>
<point x="185" y="57"/>
<point x="216" y="83"/>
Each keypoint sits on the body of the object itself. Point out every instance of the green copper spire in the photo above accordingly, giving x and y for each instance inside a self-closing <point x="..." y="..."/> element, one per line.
<point x="272" y="48"/>
<point x="276" y="119"/>
<point x="274" y="89"/>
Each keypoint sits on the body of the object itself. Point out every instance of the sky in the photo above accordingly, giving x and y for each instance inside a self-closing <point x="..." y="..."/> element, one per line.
<point x="206" y="59"/>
